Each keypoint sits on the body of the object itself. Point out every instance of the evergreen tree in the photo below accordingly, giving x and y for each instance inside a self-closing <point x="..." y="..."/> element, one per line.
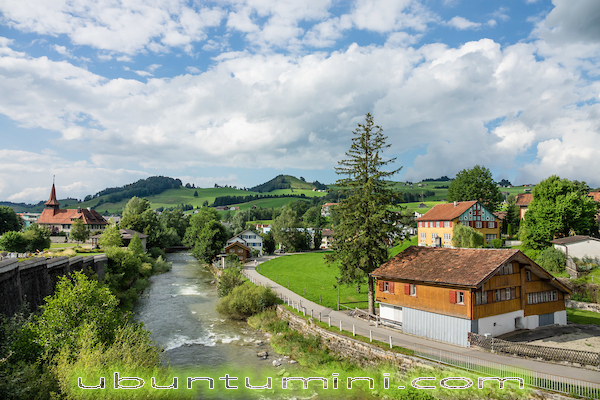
<point x="135" y="245"/>
<point x="366" y="224"/>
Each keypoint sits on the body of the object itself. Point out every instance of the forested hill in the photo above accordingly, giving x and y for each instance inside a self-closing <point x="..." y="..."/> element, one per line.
<point x="287" y="182"/>
<point x="142" y="188"/>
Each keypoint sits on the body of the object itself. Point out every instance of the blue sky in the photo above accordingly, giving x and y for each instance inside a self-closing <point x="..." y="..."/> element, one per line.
<point x="103" y="93"/>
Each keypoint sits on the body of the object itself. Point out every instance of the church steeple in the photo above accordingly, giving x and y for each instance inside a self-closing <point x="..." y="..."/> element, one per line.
<point x="52" y="201"/>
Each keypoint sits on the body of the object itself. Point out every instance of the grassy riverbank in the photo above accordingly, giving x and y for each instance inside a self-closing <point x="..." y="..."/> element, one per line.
<point x="311" y="353"/>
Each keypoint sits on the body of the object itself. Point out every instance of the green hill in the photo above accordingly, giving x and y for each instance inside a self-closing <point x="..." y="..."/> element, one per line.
<point x="285" y="182"/>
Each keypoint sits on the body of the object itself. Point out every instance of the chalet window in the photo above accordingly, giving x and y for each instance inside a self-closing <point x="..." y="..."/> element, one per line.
<point x="497" y="295"/>
<point x="490" y="237"/>
<point x="506" y="270"/>
<point x="433" y="235"/>
<point x="478" y="224"/>
<point x="507" y="294"/>
<point x="437" y="224"/>
<point x="386" y="286"/>
<point x="447" y="224"/>
<point x="457" y="297"/>
<point x="528" y="276"/>
<point x="447" y="237"/>
<point x="542" y="297"/>
<point x="491" y="225"/>
<point x="410" y="289"/>
<point x="423" y="236"/>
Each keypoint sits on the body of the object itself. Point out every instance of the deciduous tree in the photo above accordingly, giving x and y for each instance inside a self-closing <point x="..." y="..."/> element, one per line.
<point x="465" y="236"/>
<point x="79" y="231"/>
<point x="9" y="220"/>
<point x="475" y="184"/>
<point x="366" y="223"/>
<point x="559" y="207"/>
<point x="111" y="237"/>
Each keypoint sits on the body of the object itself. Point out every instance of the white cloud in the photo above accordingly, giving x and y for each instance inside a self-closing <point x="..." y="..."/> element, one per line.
<point x="461" y="23"/>
<point x="572" y="21"/>
<point x="119" y="26"/>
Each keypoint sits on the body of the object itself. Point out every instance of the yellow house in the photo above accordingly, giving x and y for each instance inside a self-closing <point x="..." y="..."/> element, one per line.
<point x="435" y="227"/>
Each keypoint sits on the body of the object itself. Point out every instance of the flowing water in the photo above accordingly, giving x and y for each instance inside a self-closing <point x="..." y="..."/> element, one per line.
<point x="178" y="308"/>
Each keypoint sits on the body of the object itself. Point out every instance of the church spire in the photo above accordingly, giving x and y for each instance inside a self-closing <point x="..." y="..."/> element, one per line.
<point x="52" y="201"/>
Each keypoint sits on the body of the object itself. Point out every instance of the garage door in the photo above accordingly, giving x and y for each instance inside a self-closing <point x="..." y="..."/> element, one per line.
<point x="546" y="319"/>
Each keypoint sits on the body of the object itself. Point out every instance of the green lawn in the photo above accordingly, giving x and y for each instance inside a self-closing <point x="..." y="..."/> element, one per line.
<point x="395" y="250"/>
<point x="62" y="245"/>
<point x="583" y="316"/>
<point x="309" y="276"/>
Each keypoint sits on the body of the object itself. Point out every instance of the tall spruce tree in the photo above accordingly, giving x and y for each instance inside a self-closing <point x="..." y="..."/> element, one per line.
<point x="366" y="222"/>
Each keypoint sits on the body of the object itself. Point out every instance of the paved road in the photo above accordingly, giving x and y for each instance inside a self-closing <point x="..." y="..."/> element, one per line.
<point x="363" y="327"/>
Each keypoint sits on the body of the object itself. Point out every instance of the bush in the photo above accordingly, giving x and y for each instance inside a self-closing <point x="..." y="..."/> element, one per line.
<point x="552" y="259"/>
<point x="229" y="279"/>
<point x="498" y="243"/>
<point x="156" y="252"/>
<point x="246" y="300"/>
<point x="161" y="265"/>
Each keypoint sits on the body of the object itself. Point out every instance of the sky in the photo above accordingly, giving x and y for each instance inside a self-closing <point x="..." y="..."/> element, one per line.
<point x="101" y="93"/>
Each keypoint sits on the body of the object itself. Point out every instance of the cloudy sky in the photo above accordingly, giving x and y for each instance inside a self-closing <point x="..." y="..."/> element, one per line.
<point x="102" y="93"/>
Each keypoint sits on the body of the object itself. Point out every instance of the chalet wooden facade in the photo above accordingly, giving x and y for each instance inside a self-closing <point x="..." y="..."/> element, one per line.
<point x="242" y="251"/>
<point x="435" y="227"/>
<point x="443" y="293"/>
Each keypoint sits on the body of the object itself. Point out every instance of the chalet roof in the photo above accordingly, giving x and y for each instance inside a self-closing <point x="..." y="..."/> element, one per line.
<point x="129" y="233"/>
<point x="330" y="204"/>
<point x="327" y="233"/>
<point x="523" y="199"/>
<point x="52" y="201"/>
<point x="67" y="216"/>
<point x="573" y="239"/>
<point x="444" y="266"/>
<point x="446" y="212"/>
<point x="239" y="244"/>
<point x="595" y="196"/>
<point x="455" y="267"/>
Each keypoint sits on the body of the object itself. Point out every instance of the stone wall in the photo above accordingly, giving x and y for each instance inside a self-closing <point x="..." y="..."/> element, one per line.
<point x="359" y="352"/>
<point x="32" y="280"/>
<point x="581" y="305"/>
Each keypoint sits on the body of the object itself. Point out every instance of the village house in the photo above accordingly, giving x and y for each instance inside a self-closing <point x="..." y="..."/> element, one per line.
<point x="443" y="294"/>
<point x="126" y="236"/>
<point x="326" y="238"/>
<point x="522" y="201"/>
<point x="578" y="246"/>
<point x="249" y="239"/>
<point x="57" y="220"/>
<point x="435" y="227"/>
<point x="326" y="209"/>
<point x="239" y="249"/>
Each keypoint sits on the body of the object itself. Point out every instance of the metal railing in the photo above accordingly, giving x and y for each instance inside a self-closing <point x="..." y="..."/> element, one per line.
<point x="539" y="380"/>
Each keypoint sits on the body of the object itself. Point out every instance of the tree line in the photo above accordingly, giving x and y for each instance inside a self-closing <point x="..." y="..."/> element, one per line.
<point x="142" y="188"/>
<point x="229" y="200"/>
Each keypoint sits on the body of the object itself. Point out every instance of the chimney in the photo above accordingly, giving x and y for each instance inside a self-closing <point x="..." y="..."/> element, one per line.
<point x="455" y="203"/>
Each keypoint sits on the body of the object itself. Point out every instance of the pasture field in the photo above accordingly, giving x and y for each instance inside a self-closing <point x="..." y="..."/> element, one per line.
<point x="311" y="277"/>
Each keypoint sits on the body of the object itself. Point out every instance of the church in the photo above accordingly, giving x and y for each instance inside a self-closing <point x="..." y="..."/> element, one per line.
<point x="58" y="220"/>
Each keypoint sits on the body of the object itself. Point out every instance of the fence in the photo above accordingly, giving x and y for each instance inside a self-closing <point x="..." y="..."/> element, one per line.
<point x="533" y="351"/>
<point x="532" y="378"/>
<point x="490" y="368"/>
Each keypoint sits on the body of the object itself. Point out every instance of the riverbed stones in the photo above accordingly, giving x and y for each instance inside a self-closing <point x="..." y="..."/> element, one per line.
<point x="276" y="363"/>
<point x="258" y="343"/>
<point x="262" y="354"/>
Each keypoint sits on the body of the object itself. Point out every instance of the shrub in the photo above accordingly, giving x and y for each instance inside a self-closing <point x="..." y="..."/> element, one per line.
<point x="552" y="259"/>
<point x="161" y="265"/>
<point x="229" y="279"/>
<point x="156" y="252"/>
<point x="498" y="243"/>
<point x="246" y="300"/>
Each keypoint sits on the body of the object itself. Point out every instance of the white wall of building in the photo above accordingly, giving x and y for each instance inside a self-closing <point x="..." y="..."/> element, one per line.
<point x="388" y="311"/>
<point x="503" y="323"/>
<point x="590" y="248"/>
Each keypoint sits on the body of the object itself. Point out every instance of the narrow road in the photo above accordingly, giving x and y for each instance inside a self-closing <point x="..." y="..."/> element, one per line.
<point x="401" y="339"/>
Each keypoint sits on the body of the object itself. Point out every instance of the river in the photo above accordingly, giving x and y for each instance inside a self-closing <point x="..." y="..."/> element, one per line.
<point x="178" y="308"/>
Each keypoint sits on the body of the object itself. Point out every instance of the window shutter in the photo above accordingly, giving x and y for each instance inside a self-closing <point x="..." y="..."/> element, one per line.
<point x="381" y="286"/>
<point x="513" y="293"/>
<point x="453" y="296"/>
<point x="391" y="288"/>
<point x="407" y="289"/>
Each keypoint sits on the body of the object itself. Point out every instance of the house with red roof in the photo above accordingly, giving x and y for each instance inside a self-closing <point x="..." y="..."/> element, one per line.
<point x="435" y="227"/>
<point x="60" y="220"/>
<point x="445" y="293"/>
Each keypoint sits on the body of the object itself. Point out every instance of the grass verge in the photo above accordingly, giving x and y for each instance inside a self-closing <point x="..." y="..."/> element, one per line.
<point x="583" y="316"/>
